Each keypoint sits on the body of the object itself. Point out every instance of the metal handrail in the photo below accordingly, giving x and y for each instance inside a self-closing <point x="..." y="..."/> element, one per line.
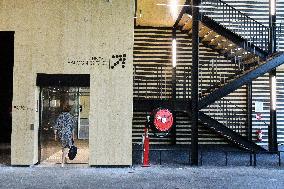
<point x="245" y="111"/>
<point x="246" y="27"/>
<point x="241" y="13"/>
<point x="228" y="117"/>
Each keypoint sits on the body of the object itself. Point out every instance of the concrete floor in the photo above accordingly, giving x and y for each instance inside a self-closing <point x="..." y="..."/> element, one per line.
<point x="174" y="172"/>
<point x="138" y="177"/>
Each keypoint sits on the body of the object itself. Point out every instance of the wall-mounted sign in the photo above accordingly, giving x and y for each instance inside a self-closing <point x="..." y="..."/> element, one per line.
<point x="114" y="61"/>
<point x="258" y="106"/>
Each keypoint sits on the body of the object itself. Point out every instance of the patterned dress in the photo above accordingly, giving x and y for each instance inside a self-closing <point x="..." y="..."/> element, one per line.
<point x="65" y="126"/>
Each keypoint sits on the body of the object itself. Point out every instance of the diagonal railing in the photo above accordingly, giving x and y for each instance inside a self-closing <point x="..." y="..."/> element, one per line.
<point x="228" y="133"/>
<point x="244" y="78"/>
<point x="254" y="32"/>
<point x="229" y="114"/>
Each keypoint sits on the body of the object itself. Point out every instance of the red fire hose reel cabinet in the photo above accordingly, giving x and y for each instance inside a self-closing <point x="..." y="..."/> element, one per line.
<point x="161" y="122"/>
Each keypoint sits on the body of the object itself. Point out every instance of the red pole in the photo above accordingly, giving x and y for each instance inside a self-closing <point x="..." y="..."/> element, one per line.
<point x="146" y="162"/>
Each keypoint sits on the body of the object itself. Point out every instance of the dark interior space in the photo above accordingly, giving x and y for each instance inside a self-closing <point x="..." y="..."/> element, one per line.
<point x="6" y="84"/>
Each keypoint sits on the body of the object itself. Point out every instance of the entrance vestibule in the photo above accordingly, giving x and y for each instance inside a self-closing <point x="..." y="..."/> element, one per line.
<point x="52" y="100"/>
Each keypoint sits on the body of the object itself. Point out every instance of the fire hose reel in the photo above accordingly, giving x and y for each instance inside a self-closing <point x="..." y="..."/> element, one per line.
<point x="161" y="122"/>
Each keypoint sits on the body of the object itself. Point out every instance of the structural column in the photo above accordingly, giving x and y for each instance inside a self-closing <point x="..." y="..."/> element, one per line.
<point x="194" y="81"/>
<point x="249" y="111"/>
<point x="272" y="130"/>
<point x="174" y="83"/>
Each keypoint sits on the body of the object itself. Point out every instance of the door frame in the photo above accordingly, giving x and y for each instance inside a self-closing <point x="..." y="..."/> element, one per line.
<point x="57" y="80"/>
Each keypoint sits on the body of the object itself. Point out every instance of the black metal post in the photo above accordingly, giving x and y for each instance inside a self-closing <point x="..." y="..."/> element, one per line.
<point x="173" y="131"/>
<point x="249" y="111"/>
<point x="173" y="68"/>
<point x="194" y="81"/>
<point x="272" y="130"/>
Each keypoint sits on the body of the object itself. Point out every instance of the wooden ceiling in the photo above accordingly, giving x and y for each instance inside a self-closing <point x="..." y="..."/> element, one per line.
<point x="157" y="12"/>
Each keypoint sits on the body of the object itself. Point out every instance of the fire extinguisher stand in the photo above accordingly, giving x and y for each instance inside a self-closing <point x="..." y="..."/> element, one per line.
<point x="145" y="156"/>
<point x="146" y="146"/>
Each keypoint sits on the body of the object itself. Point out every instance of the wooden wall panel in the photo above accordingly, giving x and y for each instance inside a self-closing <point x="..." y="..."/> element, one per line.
<point x="261" y="92"/>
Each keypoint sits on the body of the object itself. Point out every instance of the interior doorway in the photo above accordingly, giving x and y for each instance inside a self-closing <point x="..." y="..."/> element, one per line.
<point x="52" y="100"/>
<point x="6" y="94"/>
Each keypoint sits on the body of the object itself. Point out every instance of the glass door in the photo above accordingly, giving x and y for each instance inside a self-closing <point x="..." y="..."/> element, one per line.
<point x="52" y="101"/>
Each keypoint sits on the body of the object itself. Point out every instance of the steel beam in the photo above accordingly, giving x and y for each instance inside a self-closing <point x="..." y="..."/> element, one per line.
<point x="272" y="130"/>
<point x="194" y="81"/>
<point x="249" y="111"/>
<point x="147" y="105"/>
<point x="244" y="79"/>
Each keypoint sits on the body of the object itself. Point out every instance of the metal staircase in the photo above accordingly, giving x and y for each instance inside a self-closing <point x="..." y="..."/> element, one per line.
<point x="228" y="134"/>
<point x="222" y="89"/>
<point x="240" y="39"/>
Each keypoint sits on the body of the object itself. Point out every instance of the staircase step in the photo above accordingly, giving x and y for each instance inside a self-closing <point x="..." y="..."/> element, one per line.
<point x="185" y="19"/>
<point x="187" y="26"/>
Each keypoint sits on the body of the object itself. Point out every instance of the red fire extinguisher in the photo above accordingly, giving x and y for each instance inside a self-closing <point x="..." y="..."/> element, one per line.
<point x="259" y="135"/>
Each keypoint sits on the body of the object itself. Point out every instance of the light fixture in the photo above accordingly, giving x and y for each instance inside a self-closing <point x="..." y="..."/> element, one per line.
<point x="173" y="6"/>
<point x="163" y="4"/>
<point x="273" y="88"/>
<point x="174" y="52"/>
<point x="272" y="7"/>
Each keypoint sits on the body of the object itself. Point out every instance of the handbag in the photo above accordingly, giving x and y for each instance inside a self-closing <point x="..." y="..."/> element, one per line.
<point x="72" y="152"/>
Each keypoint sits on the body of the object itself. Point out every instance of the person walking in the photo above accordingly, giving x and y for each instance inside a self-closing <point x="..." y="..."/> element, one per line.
<point x="64" y="130"/>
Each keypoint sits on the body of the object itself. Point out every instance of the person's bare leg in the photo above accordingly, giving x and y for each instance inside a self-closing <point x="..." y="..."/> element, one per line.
<point x="66" y="150"/>
<point x="63" y="157"/>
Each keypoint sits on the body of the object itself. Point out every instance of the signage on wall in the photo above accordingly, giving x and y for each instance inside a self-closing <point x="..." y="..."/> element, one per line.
<point x="258" y="106"/>
<point x="113" y="62"/>
<point x="22" y="107"/>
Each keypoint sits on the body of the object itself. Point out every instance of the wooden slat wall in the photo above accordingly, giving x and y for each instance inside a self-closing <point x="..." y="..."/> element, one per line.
<point x="259" y="10"/>
<point x="152" y="73"/>
<point x="261" y="93"/>
<point x="149" y="57"/>
<point x="152" y="62"/>
<point x="280" y="106"/>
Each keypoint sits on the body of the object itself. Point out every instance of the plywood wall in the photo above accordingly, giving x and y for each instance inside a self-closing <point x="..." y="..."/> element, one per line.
<point x="63" y="36"/>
